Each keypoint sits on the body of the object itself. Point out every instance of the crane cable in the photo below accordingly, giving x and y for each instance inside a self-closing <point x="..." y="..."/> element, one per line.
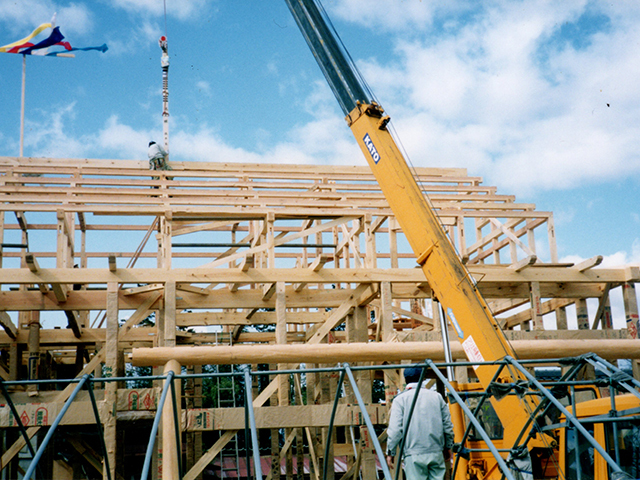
<point x="165" y="18"/>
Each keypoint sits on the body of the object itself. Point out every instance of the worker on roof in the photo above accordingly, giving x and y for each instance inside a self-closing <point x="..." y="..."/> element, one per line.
<point x="157" y="157"/>
<point x="429" y="436"/>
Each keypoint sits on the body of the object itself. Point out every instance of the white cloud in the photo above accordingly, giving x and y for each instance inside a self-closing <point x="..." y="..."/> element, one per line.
<point x="616" y="259"/>
<point x="391" y="15"/>
<point x="50" y="138"/>
<point x="182" y="9"/>
<point x="21" y="17"/>
<point x="203" y="87"/>
<point x="502" y="96"/>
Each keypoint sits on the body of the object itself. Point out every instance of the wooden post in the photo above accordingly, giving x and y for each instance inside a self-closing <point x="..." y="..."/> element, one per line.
<point x="561" y="318"/>
<point x="34" y="351"/>
<point x="551" y="231"/>
<point x="582" y="314"/>
<point x="110" y="369"/>
<point x="630" y="301"/>
<point x="583" y="324"/>
<point x="536" y="306"/>
<point x="170" y="313"/>
<point x="171" y="447"/>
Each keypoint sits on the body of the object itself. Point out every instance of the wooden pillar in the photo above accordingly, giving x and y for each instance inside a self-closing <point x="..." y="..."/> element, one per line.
<point x="193" y="394"/>
<point x="171" y="445"/>
<point x="15" y="360"/>
<point x="536" y="306"/>
<point x="582" y="314"/>
<point x="370" y="260"/>
<point x="164" y="240"/>
<point x="630" y="301"/>
<point x="357" y="333"/>
<point x="551" y="231"/>
<point x="110" y="369"/>
<point x="393" y="241"/>
<point x="284" y="386"/>
<point x="561" y="318"/>
<point x="392" y="382"/>
<point x="583" y="324"/>
<point x="271" y="252"/>
<point x="34" y="351"/>
<point x="1" y="236"/>
<point x="170" y="314"/>
<point x="462" y="241"/>
<point x="607" y="317"/>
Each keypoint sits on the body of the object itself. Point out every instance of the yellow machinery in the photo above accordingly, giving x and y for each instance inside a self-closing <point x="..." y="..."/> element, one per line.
<point x="465" y="309"/>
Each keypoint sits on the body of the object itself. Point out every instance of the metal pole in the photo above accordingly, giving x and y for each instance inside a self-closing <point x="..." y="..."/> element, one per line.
<point x="406" y="427"/>
<point x="627" y="378"/>
<point x="327" y="445"/>
<point x="444" y="329"/>
<point x="100" y="431"/>
<point x="176" y="426"/>
<point x="154" y="428"/>
<point x="24" y="81"/>
<point x="15" y="414"/>
<point x="367" y="421"/>
<point x="572" y="419"/>
<point x="164" y="61"/>
<point x="478" y="426"/>
<point x="252" y="422"/>
<point x="52" y="429"/>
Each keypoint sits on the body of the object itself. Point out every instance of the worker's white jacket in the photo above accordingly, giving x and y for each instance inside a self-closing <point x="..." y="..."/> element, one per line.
<point x="430" y="428"/>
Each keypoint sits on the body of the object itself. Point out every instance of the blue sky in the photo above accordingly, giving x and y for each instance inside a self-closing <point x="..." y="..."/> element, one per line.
<point x="541" y="99"/>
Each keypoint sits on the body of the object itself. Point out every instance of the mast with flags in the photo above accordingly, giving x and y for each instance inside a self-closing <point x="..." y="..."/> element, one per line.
<point x="26" y="46"/>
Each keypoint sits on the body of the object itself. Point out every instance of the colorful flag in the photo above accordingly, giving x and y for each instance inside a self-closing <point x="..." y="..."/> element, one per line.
<point x="26" y="47"/>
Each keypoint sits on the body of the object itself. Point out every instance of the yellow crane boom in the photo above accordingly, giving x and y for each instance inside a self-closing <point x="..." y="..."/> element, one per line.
<point x="466" y="310"/>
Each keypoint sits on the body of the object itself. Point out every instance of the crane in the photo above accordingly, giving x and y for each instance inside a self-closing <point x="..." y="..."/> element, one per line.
<point x="466" y="311"/>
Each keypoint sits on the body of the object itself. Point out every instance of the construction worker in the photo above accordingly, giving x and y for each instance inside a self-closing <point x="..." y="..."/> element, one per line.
<point x="157" y="157"/>
<point x="430" y="434"/>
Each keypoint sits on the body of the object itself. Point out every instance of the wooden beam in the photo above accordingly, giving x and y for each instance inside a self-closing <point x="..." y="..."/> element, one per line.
<point x="247" y="263"/>
<point x="60" y="291"/>
<point x="602" y="304"/>
<point x="370" y="352"/>
<point x="314" y="266"/>
<point x="73" y="323"/>
<point x="267" y="291"/>
<point x="32" y="264"/>
<point x="8" y="326"/>
<point x="524" y="263"/>
<point x="485" y="273"/>
<point x="589" y="263"/>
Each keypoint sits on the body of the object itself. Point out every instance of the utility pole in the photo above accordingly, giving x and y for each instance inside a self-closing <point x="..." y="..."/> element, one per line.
<point x="164" y="61"/>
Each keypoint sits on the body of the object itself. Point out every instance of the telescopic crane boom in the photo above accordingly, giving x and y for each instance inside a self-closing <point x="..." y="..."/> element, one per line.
<point x="466" y="310"/>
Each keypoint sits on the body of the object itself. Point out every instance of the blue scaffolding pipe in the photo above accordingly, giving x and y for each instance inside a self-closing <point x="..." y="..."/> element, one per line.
<point x="176" y="426"/>
<point x="367" y="421"/>
<point x="574" y="421"/>
<point x="52" y="429"/>
<point x="96" y="414"/>
<point x="252" y="423"/>
<point x="479" y="428"/>
<point x="325" y="463"/>
<point x="15" y="414"/>
<point x="154" y="428"/>
<point x="627" y="378"/>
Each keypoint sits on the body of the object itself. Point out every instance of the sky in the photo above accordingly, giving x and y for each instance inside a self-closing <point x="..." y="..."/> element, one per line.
<point x="539" y="98"/>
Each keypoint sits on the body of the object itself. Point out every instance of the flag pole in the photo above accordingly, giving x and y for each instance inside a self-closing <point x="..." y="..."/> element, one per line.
<point x="24" y="78"/>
